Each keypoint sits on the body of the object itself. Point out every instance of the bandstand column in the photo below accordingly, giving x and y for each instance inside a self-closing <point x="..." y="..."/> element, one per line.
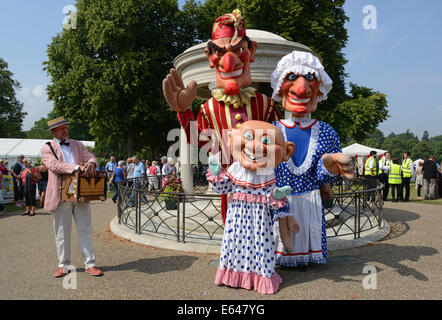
<point x="186" y="163"/>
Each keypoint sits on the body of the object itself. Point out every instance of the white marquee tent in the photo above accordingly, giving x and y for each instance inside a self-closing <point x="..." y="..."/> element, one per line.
<point x="10" y="149"/>
<point x="360" y="153"/>
<point x="360" y="150"/>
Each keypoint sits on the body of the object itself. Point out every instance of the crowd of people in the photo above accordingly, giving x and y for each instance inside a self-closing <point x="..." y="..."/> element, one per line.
<point x="396" y="175"/>
<point x="391" y="172"/>
<point x="141" y="171"/>
<point x="26" y="178"/>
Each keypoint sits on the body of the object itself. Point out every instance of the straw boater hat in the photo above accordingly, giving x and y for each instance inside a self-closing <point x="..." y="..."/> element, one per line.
<point x="54" y="123"/>
<point x="300" y="62"/>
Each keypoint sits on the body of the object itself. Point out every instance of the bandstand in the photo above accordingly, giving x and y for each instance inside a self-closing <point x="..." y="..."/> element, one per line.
<point x="196" y="217"/>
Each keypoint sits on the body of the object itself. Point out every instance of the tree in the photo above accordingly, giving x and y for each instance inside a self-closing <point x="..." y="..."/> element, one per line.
<point x="77" y="130"/>
<point x="394" y="146"/>
<point x="397" y="144"/>
<point x="436" y="144"/>
<point x="39" y="130"/>
<point x="426" y="136"/>
<point x="11" y="110"/>
<point x="107" y="73"/>
<point x="421" y="150"/>
<point x="408" y="140"/>
<point x="375" y="139"/>
<point x="360" y="114"/>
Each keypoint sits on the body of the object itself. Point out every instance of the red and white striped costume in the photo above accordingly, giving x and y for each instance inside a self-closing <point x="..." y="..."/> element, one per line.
<point x="218" y="115"/>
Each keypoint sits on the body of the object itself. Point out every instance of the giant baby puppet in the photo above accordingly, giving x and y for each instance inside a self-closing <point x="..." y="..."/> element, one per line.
<point x="233" y="102"/>
<point x="300" y="82"/>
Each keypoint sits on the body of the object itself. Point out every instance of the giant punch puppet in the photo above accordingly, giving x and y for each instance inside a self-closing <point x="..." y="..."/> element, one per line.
<point x="300" y="82"/>
<point x="230" y="52"/>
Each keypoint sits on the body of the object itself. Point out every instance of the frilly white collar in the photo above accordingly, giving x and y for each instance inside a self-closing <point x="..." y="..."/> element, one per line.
<point x="250" y="179"/>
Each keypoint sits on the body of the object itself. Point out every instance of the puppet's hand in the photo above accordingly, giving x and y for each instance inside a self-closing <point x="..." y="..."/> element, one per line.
<point x="293" y="224"/>
<point x="284" y="234"/>
<point x="339" y="163"/>
<point x="214" y="166"/>
<point x="280" y="193"/>
<point x="326" y="196"/>
<point x="178" y="97"/>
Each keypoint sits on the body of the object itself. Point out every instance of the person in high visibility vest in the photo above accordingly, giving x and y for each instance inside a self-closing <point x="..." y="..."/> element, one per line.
<point x="395" y="179"/>
<point x="407" y="169"/>
<point x="371" y="172"/>
<point x="371" y="165"/>
<point x="384" y="164"/>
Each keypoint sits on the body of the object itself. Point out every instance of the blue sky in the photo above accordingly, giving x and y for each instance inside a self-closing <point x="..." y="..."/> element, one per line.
<point x="401" y="57"/>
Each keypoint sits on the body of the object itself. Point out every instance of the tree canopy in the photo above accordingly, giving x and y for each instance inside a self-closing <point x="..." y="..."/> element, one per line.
<point x="108" y="71"/>
<point x="77" y="130"/>
<point x="360" y="114"/>
<point x="397" y="144"/>
<point x="11" y="110"/>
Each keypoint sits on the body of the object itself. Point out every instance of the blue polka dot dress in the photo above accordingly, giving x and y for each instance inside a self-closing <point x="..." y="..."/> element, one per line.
<point x="305" y="173"/>
<point x="248" y="257"/>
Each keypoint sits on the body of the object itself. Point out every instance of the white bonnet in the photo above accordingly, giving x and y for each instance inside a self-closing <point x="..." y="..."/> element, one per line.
<point x="300" y="62"/>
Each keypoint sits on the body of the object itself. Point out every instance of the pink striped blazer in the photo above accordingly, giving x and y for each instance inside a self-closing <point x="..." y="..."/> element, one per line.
<point x="57" y="168"/>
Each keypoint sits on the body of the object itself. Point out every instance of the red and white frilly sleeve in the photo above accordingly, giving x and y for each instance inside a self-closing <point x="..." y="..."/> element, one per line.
<point x="279" y="207"/>
<point x="220" y="183"/>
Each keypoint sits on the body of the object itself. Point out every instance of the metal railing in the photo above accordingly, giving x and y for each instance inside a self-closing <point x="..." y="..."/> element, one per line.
<point x="357" y="207"/>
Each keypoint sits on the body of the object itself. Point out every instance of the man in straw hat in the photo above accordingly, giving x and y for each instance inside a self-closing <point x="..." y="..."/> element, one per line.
<point x="233" y="102"/>
<point x="64" y="156"/>
<point x="299" y="81"/>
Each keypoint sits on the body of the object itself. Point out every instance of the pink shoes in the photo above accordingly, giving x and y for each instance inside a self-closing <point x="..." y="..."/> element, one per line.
<point x="60" y="273"/>
<point x="94" y="271"/>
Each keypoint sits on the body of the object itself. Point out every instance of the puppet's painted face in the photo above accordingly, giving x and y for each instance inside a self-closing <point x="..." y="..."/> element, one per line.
<point x="259" y="145"/>
<point x="300" y="94"/>
<point x="231" y="61"/>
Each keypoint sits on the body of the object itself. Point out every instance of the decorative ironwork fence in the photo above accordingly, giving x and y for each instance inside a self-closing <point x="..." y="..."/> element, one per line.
<point x="357" y="207"/>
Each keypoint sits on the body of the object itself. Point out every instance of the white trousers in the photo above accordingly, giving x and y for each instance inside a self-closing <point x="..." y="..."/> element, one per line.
<point x="62" y="231"/>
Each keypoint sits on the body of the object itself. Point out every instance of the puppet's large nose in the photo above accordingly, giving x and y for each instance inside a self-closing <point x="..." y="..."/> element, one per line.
<point x="299" y="88"/>
<point x="229" y="62"/>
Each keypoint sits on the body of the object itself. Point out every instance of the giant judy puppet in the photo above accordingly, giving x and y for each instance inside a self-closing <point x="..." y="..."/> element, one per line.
<point x="300" y="82"/>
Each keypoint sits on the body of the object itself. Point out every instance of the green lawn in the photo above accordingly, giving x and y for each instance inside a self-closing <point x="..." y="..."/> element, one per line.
<point x="413" y="196"/>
